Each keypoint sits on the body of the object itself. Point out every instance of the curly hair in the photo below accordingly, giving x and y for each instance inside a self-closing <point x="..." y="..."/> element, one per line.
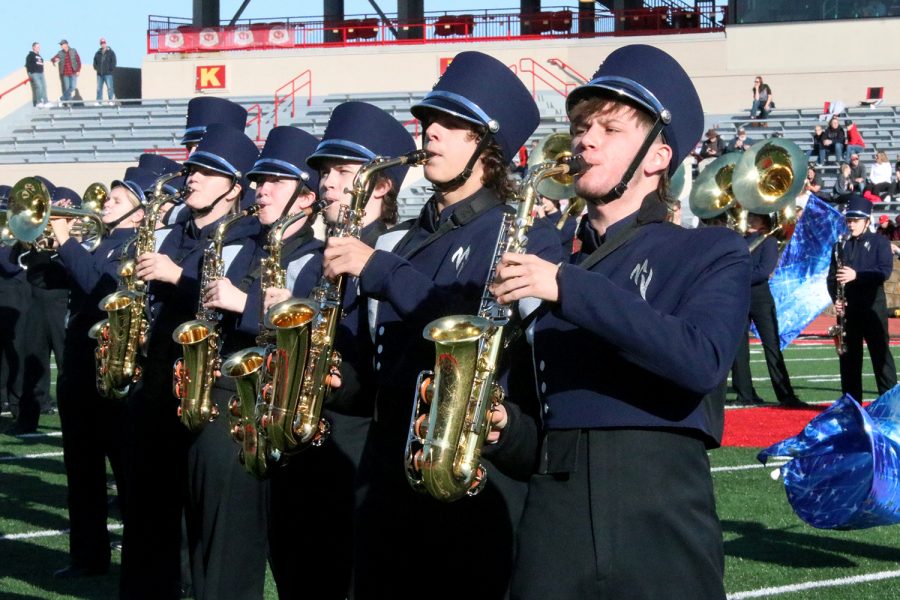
<point x="496" y="171"/>
<point x="389" y="210"/>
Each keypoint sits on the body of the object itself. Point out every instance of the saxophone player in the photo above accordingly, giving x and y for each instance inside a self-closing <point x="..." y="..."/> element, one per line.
<point x="622" y="503"/>
<point x="475" y="119"/>
<point x="867" y="264"/>
<point x="356" y="133"/>
<point x="161" y="452"/>
<point x="92" y="424"/>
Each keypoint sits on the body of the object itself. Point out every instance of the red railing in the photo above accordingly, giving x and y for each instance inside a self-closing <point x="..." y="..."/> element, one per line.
<point x="569" y="69"/>
<point x="15" y="87"/>
<point x="538" y="72"/>
<point x="256" y="108"/>
<point x="167" y="34"/>
<point x="415" y="124"/>
<point x="294" y="86"/>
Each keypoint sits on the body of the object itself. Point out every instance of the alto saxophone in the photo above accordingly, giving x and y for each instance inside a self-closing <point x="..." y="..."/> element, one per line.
<point x="193" y="374"/>
<point x="838" y="330"/>
<point x="121" y="336"/>
<point x="255" y="369"/>
<point x="302" y="424"/>
<point x="452" y="404"/>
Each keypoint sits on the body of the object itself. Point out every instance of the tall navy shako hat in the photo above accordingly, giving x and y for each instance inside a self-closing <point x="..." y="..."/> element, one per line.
<point x="358" y="132"/>
<point x="225" y="150"/>
<point x="63" y="193"/>
<point x="203" y="111"/>
<point x="137" y="181"/>
<point x="159" y="166"/>
<point x="482" y="90"/>
<point x="858" y="207"/>
<point x="655" y="82"/>
<point x="51" y="189"/>
<point x="284" y="155"/>
<point x="4" y="195"/>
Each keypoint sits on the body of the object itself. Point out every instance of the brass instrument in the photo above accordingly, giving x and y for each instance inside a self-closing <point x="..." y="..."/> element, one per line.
<point x="712" y="193"/>
<point x="30" y="209"/>
<point x="561" y="186"/>
<point x="838" y="330"/>
<point x="121" y="336"/>
<point x="193" y="374"/>
<point x="452" y="404"/>
<point x="250" y="410"/>
<point x="302" y="398"/>
<point x="94" y="197"/>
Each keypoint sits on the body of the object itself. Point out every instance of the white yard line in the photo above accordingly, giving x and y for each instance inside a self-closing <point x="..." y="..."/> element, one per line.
<point x="771" y="465"/>
<point x="48" y="533"/>
<point x="28" y="456"/>
<point x="811" y="585"/>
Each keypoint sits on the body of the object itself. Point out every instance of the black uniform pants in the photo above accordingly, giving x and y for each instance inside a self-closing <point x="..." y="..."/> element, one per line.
<point x="15" y="296"/>
<point x="226" y="514"/>
<point x="620" y="514"/>
<point x="321" y="484"/>
<point x="45" y="331"/>
<point x="92" y="431"/>
<point x="869" y="324"/>
<point x="155" y="476"/>
<point x="404" y="537"/>
<point x="763" y="315"/>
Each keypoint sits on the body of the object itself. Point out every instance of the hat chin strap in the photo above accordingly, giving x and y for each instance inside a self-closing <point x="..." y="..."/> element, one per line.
<point x="290" y="203"/>
<point x="619" y="190"/>
<point x="467" y="172"/>
<point x="113" y="224"/>
<point x="202" y="212"/>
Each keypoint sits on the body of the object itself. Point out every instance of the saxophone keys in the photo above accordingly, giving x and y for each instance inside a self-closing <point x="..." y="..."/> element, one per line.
<point x="421" y="427"/>
<point x="324" y="431"/>
<point x="237" y="432"/>
<point x="477" y="482"/>
<point x="426" y="390"/>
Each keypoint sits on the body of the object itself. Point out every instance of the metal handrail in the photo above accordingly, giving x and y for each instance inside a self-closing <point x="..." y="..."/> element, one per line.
<point x="539" y="72"/>
<point x="569" y="69"/>
<point x="18" y="85"/>
<point x="294" y="88"/>
<point x="257" y="119"/>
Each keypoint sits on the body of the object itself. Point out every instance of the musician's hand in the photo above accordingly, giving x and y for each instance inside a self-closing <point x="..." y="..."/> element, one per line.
<point x="153" y="266"/>
<point x="223" y="294"/>
<point x="61" y="229"/>
<point x="525" y="275"/>
<point x="845" y="275"/>
<point x="499" y="421"/>
<point x="274" y="296"/>
<point x="839" y="307"/>
<point x="345" y="256"/>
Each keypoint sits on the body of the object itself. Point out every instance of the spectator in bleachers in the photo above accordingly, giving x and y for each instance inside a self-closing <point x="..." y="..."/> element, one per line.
<point x="763" y="101"/>
<point x="834" y="140"/>
<point x="855" y="142"/>
<point x="857" y="173"/>
<point x="813" y="183"/>
<point x="818" y="148"/>
<point x="713" y="146"/>
<point x="844" y="186"/>
<point x="895" y="237"/>
<point x="34" y="66"/>
<point x="105" y="66"/>
<point x="740" y="142"/>
<point x="69" y="64"/>
<point x="885" y="227"/>
<point x="879" y="185"/>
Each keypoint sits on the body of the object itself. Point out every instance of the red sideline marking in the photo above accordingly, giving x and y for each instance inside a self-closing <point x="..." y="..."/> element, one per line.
<point x="760" y="427"/>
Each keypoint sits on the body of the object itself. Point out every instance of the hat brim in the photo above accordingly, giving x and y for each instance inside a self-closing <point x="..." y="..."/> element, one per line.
<point x="276" y="169"/>
<point x="211" y="162"/>
<point x="446" y="106"/>
<point x="856" y="214"/>
<point x="335" y="150"/>
<point x="131" y="187"/>
<point x="616" y="88"/>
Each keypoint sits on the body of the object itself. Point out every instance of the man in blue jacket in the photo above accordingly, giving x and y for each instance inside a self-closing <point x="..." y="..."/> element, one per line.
<point x="622" y="504"/>
<point x="866" y="264"/>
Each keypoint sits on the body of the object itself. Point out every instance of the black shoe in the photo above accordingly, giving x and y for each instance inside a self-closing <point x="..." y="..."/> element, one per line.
<point x="71" y="572"/>
<point x="793" y="402"/>
<point x="19" y="430"/>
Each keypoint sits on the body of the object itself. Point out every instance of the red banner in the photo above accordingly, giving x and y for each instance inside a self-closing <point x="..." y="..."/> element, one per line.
<point x="188" y="39"/>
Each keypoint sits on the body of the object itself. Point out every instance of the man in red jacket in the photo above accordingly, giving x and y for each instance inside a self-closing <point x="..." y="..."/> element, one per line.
<point x="70" y="67"/>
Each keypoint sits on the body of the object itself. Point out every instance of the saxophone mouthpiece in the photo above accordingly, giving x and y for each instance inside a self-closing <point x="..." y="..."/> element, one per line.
<point x="419" y="157"/>
<point x="576" y="164"/>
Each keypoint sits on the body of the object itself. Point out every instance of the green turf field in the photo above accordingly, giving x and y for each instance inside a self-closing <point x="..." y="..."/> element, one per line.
<point x="769" y="551"/>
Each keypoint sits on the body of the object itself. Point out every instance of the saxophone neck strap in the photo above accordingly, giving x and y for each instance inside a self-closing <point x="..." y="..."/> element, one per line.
<point x="462" y="216"/>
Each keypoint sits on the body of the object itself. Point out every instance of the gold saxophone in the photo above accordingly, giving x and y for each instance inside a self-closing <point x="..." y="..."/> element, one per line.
<point x="193" y="374"/>
<point x="452" y="404"/>
<point x="121" y="335"/>
<point x="253" y="368"/>
<point x="838" y="330"/>
<point x="300" y="389"/>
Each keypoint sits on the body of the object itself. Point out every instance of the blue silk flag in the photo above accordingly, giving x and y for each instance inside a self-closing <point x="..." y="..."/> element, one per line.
<point x="845" y="467"/>
<point x="798" y="283"/>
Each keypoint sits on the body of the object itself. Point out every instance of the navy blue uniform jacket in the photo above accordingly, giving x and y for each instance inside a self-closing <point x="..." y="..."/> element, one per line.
<point x="654" y="326"/>
<point x="871" y="257"/>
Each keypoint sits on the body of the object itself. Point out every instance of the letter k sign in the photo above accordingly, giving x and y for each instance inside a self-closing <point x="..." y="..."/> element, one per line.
<point x="211" y="77"/>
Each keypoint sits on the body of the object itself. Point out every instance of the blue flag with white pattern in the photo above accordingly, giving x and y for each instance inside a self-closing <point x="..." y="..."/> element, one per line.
<point x="798" y="283"/>
<point x="845" y="467"/>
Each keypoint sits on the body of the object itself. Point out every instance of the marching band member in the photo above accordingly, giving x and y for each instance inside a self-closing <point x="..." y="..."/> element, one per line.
<point x="92" y="424"/>
<point x="867" y="264"/>
<point x="623" y="504"/>
<point x="14" y="297"/>
<point x="475" y="119"/>
<point x="158" y="444"/>
<point x="356" y="133"/>
<point x="763" y="260"/>
<point x="229" y="558"/>
<point x="44" y="321"/>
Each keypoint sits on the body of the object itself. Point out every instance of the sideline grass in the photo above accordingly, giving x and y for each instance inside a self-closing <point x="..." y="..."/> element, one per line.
<point x="766" y="545"/>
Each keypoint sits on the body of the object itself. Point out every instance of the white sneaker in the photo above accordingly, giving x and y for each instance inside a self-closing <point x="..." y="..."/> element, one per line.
<point x="98" y="103"/>
<point x="111" y="103"/>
